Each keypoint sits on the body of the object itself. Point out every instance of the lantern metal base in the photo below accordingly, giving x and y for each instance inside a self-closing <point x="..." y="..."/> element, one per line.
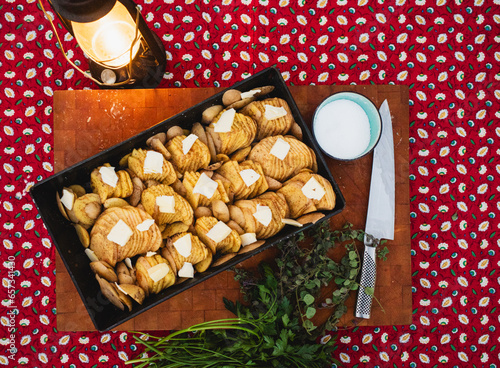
<point x="146" y="71"/>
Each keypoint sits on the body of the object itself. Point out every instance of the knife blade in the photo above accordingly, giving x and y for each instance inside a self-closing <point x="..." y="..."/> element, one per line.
<point x="381" y="211"/>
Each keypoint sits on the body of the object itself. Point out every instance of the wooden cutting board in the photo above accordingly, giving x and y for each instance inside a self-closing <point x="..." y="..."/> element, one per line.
<point x="86" y="122"/>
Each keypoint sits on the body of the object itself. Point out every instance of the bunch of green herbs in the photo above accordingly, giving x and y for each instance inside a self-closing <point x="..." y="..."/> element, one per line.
<point x="275" y="328"/>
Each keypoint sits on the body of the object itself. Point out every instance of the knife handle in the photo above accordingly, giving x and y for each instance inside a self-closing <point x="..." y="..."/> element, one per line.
<point x="368" y="276"/>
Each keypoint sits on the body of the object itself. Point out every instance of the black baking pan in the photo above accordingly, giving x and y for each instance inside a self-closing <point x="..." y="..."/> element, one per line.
<point x="103" y="314"/>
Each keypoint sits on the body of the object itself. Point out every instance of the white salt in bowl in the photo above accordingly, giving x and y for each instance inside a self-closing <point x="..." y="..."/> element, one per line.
<point x="347" y="126"/>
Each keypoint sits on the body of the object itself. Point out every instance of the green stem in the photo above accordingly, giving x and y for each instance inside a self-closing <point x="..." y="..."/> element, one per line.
<point x="211" y="325"/>
<point x="216" y="324"/>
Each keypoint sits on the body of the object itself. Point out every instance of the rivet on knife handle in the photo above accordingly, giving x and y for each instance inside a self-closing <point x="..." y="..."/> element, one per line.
<point x="368" y="276"/>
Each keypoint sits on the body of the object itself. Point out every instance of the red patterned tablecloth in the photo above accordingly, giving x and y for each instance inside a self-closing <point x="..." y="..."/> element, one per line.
<point x="446" y="51"/>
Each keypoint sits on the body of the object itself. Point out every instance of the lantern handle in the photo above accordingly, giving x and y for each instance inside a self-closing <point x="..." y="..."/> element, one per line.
<point x="87" y="75"/>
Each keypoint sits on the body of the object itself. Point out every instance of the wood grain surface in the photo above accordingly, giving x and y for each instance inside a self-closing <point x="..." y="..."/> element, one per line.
<point x="86" y="122"/>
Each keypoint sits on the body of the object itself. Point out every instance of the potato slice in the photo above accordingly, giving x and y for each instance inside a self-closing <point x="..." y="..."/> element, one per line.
<point x="223" y="259"/>
<point x="157" y="142"/>
<point x="220" y="210"/>
<point x="231" y="96"/>
<point x="233" y="225"/>
<point x="296" y="131"/>
<point x="73" y="218"/>
<point x="77" y="189"/>
<point x="174" y="131"/>
<point x="104" y="270"/>
<point x="203" y="265"/>
<point x="83" y="235"/>
<point x="236" y="215"/>
<point x="202" y="212"/>
<point x="110" y="292"/>
<point x="123" y="274"/>
<point x="211" y="147"/>
<point x="175" y="228"/>
<point x="241" y="154"/>
<point x="162" y="137"/>
<point x="241" y="103"/>
<point x="124" y="160"/>
<point x="273" y="184"/>
<point x="115" y="202"/>
<point x="264" y="91"/>
<point x="138" y="187"/>
<point x="199" y="131"/>
<point x="151" y="183"/>
<point x="124" y="298"/>
<point x="134" y="291"/>
<point x="179" y="187"/>
<point x="311" y="218"/>
<point x="210" y="113"/>
<point x="213" y="167"/>
<point x="165" y="253"/>
<point x="222" y="157"/>
<point x="251" y="247"/>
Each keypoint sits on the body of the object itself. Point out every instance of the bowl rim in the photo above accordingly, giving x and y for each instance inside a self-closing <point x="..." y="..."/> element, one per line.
<point x="321" y="105"/>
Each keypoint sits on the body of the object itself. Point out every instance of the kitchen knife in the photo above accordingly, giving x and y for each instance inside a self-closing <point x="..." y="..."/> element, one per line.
<point x="381" y="210"/>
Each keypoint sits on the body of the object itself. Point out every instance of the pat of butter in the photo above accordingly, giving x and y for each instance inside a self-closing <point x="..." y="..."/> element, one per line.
<point x="183" y="245"/>
<point x="272" y="112"/>
<point x="108" y="175"/>
<point x="248" y="238"/>
<point x="166" y="204"/>
<point x="219" y="232"/>
<point x="153" y="164"/>
<point x="225" y="121"/>
<point x="249" y="94"/>
<point x="68" y="199"/>
<point x="205" y="186"/>
<point x="249" y="176"/>
<point x="291" y="222"/>
<point x="145" y="225"/>
<point x="90" y="253"/>
<point x="313" y="190"/>
<point x="280" y="149"/>
<point x="188" y="142"/>
<point x="158" y="271"/>
<point x="187" y="270"/>
<point x="263" y="214"/>
<point x="150" y="254"/>
<point x="120" y="233"/>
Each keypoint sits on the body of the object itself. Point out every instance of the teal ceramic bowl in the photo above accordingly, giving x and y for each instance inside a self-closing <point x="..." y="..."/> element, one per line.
<point x="369" y="108"/>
